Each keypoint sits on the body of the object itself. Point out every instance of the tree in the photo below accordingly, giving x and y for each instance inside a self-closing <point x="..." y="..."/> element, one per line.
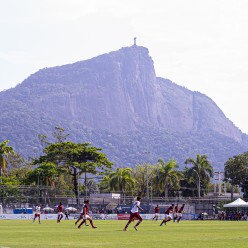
<point x="76" y="158"/>
<point x="201" y="172"/>
<point x="5" y="151"/>
<point x="92" y="186"/>
<point x="236" y="171"/>
<point x="143" y="173"/>
<point x="60" y="135"/>
<point x="9" y="186"/>
<point x="168" y="177"/>
<point x="187" y="184"/>
<point x="44" y="174"/>
<point x="18" y="167"/>
<point x="121" y="180"/>
<point x="104" y="183"/>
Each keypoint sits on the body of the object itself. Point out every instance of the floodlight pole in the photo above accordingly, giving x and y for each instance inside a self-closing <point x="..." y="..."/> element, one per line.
<point x="78" y="188"/>
<point x="147" y="186"/>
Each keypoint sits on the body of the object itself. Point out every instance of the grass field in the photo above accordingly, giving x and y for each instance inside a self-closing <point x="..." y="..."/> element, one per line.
<point x="200" y="234"/>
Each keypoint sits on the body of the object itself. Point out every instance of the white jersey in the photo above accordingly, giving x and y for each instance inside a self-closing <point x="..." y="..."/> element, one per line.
<point x="135" y="206"/>
<point x="82" y="211"/>
<point x="37" y="210"/>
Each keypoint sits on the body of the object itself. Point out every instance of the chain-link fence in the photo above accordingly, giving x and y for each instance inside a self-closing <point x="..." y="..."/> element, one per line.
<point x="12" y="197"/>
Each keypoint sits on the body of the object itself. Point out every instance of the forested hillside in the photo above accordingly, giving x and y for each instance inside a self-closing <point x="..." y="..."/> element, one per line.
<point x="117" y="102"/>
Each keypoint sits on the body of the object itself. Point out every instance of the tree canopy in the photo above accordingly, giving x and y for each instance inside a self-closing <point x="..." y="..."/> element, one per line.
<point x="75" y="158"/>
<point x="201" y="172"/>
<point x="5" y="151"/>
<point x="168" y="176"/>
<point x="236" y="171"/>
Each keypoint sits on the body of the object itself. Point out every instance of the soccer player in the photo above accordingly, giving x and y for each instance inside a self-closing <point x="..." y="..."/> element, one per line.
<point x="86" y="215"/>
<point x="81" y="216"/>
<point x="67" y="214"/>
<point x="37" y="213"/>
<point x="134" y="213"/>
<point x="180" y="213"/>
<point x="60" y="212"/>
<point x="175" y="214"/>
<point x="156" y="210"/>
<point x="167" y="216"/>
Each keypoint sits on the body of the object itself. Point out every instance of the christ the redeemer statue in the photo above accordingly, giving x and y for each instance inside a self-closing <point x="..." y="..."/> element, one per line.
<point x="134" y="41"/>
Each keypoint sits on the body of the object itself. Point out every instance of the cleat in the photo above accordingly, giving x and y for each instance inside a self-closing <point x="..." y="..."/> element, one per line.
<point x="94" y="227"/>
<point x="124" y="229"/>
<point x="135" y="228"/>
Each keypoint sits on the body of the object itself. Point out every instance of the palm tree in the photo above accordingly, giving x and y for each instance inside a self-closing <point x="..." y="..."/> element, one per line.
<point x="4" y="152"/>
<point x="201" y="170"/>
<point x="168" y="177"/>
<point x="104" y="184"/>
<point x="121" y="180"/>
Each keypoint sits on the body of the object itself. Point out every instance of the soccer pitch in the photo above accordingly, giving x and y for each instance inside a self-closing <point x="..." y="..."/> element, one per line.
<point x="200" y="234"/>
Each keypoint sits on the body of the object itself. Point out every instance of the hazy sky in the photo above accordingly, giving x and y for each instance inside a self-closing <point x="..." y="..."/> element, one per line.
<point x="199" y="44"/>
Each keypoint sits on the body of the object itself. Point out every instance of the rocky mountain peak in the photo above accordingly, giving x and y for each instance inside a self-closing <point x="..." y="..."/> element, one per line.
<point x="118" y="95"/>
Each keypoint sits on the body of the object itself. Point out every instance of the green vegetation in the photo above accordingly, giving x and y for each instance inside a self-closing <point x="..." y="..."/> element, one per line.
<point x="192" y="234"/>
<point x="121" y="180"/>
<point x="64" y="162"/>
<point x="236" y="172"/>
<point x="201" y="171"/>
<point x="5" y="151"/>
<point x="168" y="177"/>
<point x="74" y="159"/>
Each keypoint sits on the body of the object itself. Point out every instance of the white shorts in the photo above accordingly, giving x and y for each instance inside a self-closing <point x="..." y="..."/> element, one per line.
<point x="59" y="213"/>
<point x="86" y="217"/>
<point x="180" y="215"/>
<point x="156" y="214"/>
<point x="167" y="216"/>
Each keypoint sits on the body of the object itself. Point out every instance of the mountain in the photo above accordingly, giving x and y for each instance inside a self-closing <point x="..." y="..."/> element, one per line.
<point x="117" y="102"/>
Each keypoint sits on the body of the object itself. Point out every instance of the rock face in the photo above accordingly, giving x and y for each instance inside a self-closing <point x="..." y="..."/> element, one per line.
<point x="116" y="100"/>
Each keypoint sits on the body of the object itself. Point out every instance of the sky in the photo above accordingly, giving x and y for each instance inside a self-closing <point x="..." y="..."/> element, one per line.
<point x="199" y="44"/>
